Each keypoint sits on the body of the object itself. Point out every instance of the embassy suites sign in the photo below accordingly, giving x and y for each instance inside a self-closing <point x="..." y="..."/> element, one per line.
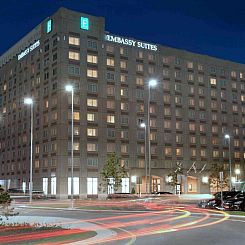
<point x="29" y="49"/>
<point x="130" y="42"/>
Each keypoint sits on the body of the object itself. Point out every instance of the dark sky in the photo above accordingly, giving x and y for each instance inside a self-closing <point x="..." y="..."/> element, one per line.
<point x="211" y="27"/>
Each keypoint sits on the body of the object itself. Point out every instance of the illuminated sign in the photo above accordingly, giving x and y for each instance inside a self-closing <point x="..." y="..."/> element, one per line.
<point x="84" y="23"/>
<point x="28" y="50"/>
<point x="49" y="26"/>
<point x="130" y="42"/>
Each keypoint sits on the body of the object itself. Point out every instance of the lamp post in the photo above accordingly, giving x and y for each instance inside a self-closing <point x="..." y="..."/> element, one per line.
<point x="143" y="125"/>
<point x="237" y="172"/>
<point x="152" y="84"/>
<point x="29" y="101"/>
<point x="227" y="136"/>
<point x="69" y="88"/>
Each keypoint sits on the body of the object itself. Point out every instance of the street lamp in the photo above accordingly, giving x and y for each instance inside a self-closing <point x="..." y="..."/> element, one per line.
<point x="29" y="101"/>
<point x="69" y="88"/>
<point x="143" y="125"/>
<point x="152" y="84"/>
<point x="237" y="172"/>
<point x="227" y="136"/>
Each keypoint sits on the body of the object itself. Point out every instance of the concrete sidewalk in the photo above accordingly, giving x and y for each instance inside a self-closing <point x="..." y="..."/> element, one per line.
<point x="102" y="233"/>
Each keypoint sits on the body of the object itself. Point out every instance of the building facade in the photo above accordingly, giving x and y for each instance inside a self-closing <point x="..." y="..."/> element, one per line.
<point x="197" y="100"/>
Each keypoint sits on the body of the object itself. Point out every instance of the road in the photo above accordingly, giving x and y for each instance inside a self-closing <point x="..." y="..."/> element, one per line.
<point x="161" y="223"/>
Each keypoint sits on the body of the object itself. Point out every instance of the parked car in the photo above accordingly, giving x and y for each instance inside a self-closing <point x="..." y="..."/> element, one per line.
<point x="216" y="201"/>
<point x="235" y="203"/>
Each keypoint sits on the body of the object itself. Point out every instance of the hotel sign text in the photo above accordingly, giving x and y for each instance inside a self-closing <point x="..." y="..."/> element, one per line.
<point x="28" y="50"/>
<point x="130" y="42"/>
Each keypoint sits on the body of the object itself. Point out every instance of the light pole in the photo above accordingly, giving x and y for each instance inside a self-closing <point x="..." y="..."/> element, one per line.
<point x="152" y="84"/>
<point x="29" y="101"/>
<point x="227" y="136"/>
<point x="69" y="88"/>
<point x="237" y="172"/>
<point x="143" y="125"/>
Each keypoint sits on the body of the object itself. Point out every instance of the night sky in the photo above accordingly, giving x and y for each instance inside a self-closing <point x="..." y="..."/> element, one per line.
<point x="212" y="27"/>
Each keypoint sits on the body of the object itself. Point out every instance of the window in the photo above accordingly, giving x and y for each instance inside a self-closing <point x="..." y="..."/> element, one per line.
<point x="140" y="81"/>
<point x="76" y="115"/>
<point x="92" y="161"/>
<point x="123" y="64"/>
<point x="110" y="104"/>
<point x="124" y="148"/>
<point x="90" y="117"/>
<point x="168" y="151"/>
<point x="110" y="119"/>
<point x="213" y="81"/>
<point x="178" y="152"/>
<point x="92" y="73"/>
<point x="92" y="102"/>
<point x="190" y="65"/>
<point x="74" y="41"/>
<point x="92" y="147"/>
<point x="92" y="87"/>
<point x="139" y="68"/>
<point x="110" y="62"/>
<point x="92" y="186"/>
<point x="92" y="59"/>
<point x="92" y="132"/>
<point x="74" y="55"/>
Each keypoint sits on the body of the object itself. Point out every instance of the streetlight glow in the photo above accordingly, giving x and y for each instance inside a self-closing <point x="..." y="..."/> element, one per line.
<point x="142" y="125"/>
<point x="227" y="136"/>
<point x="237" y="171"/>
<point x="28" y="101"/>
<point x="153" y="83"/>
<point x="69" y="88"/>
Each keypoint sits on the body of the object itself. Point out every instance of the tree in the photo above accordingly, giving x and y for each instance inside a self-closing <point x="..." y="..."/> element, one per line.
<point x="214" y="178"/>
<point x="5" y="204"/>
<point x="112" y="173"/>
<point x="173" y="176"/>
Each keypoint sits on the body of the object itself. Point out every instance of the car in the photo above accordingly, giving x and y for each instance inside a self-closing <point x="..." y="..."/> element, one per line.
<point x="216" y="201"/>
<point x="236" y="203"/>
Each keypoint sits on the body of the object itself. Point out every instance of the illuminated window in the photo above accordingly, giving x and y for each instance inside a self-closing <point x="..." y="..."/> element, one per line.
<point x="139" y="81"/>
<point x="76" y="115"/>
<point x="123" y="64"/>
<point x="92" y="186"/>
<point x="92" y="132"/>
<point x="193" y="152"/>
<point x="49" y="26"/>
<point x="168" y="151"/>
<point x="139" y="68"/>
<point x="74" y="41"/>
<point x="92" y="58"/>
<point x="237" y="154"/>
<point x="124" y="148"/>
<point x="213" y="81"/>
<point x="124" y="106"/>
<point x="74" y="55"/>
<point x="109" y="48"/>
<point x="192" y="127"/>
<point x="92" y="102"/>
<point x="36" y="164"/>
<point x="110" y="118"/>
<point x="203" y="153"/>
<point x="233" y="74"/>
<point x="90" y="117"/>
<point x="190" y="65"/>
<point x="123" y="78"/>
<point x="110" y="62"/>
<point x="178" y="152"/>
<point x="92" y="73"/>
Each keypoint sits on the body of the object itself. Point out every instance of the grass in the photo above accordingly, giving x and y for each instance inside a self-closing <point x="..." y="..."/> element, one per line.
<point x="241" y="213"/>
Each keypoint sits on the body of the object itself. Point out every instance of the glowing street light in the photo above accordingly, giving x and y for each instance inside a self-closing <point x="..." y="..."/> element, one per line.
<point x="152" y="83"/>
<point x="227" y="136"/>
<point x="29" y="101"/>
<point x="143" y="125"/>
<point x="237" y="172"/>
<point x="69" y="88"/>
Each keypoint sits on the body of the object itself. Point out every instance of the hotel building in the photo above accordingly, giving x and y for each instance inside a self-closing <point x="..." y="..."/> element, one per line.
<point x="197" y="101"/>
